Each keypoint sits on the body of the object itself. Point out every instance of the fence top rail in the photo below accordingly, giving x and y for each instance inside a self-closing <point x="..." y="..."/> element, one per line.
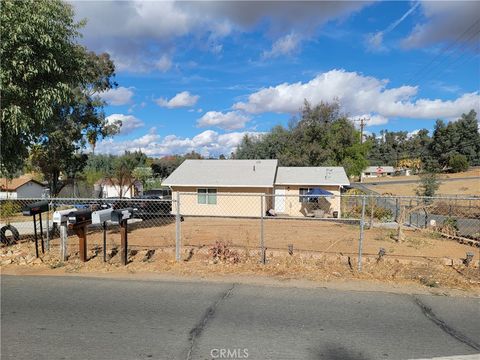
<point x="79" y="200"/>
<point x="457" y="198"/>
<point x="475" y="198"/>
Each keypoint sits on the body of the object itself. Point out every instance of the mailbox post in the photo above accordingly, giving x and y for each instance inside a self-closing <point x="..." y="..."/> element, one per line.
<point x="121" y="217"/>
<point x="33" y="210"/>
<point x="78" y="221"/>
<point x="101" y="217"/>
<point x="60" y="218"/>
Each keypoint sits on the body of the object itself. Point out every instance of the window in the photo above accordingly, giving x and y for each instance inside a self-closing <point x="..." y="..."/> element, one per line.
<point x="207" y="196"/>
<point x="302" y="195"/>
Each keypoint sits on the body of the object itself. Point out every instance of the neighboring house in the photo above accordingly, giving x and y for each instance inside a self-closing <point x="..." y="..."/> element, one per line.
<point x="232" y="187"/>
<point x="21" y="187"/>
<point x="107" y="188"/>
<point x="378" y="171"/>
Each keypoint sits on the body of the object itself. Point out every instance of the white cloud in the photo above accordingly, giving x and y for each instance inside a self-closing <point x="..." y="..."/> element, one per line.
<point x="207" y="143"/>
<point x="232" y="120"/>
<point x="129" y="122"/>
<point x="446" y="21"/>
<point x="118" y="96"/>
<point x="182" y="99"/>
<point x="358" y="95"/>
<point x="164" y="22"/>
<point x="284" y="46"/>
<point x="164" y="63"/>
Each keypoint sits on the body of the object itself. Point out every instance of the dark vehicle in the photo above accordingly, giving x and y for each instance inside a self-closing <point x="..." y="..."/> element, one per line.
<point x="146" y="206"/>
<point x="161" y="193"/>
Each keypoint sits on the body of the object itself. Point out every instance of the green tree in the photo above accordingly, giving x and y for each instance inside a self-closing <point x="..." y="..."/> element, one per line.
<point x="121" y="172"/>
<point x="41" y="66"/>
<point x="322" y="136"/>
<point x="457" y="163"/>
<point x="429" y="184"/>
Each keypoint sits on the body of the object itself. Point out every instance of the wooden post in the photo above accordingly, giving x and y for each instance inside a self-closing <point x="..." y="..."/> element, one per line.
<point x="124" y="241"/>
<point x="81" y="232"/>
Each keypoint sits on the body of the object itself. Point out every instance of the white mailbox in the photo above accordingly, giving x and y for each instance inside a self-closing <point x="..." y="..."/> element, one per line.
<point x="61" y="217"/>
<point x="101" y="216"/>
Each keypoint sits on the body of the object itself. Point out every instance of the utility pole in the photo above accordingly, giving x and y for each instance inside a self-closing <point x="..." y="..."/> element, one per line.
<point x="363" y="122"/>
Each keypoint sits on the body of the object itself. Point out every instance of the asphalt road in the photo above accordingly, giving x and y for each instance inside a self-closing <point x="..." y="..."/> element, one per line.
<point x="85" y="318"/>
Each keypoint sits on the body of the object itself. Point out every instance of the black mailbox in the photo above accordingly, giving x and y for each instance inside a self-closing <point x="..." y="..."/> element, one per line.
<point x="120" y="215"/>
<point x="80" y="217"/>
<point x="35" y="208"/>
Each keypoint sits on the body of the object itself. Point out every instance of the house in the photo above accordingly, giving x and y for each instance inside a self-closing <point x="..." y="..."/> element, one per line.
<point x="21" y="187"/>
<point x="233" y="187"/>
<point x="111" y="188"/>
<point x="378" y="171"/>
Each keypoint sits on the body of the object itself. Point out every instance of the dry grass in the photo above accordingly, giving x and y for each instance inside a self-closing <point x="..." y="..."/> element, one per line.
<point x="473" y="172"/>
<point x="469" y="187"/>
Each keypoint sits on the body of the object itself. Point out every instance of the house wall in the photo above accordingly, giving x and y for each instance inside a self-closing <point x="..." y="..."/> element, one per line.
<point x="230" y="202"/>
<point x="30" y="190"/>
<point x="8" y="194"/>
<point x="293" y="206"/>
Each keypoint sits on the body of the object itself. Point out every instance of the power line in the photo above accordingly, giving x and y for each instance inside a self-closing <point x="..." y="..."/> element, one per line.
<point x="425" y="69"/>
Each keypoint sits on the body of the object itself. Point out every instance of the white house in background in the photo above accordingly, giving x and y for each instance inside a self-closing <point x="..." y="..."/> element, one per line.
<point x="111" y="188"/>
<point x="21" y="187"/>
<point x="378" y="171"/>
<point x="234" y="188"/>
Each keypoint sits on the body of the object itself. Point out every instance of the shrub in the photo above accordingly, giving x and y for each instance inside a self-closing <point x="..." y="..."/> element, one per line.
<point x="221" y="252"/>
<point x="457" y="163"/>
<point x="9" y="208"/>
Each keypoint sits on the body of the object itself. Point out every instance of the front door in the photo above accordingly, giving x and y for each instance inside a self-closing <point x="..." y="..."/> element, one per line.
<point x="280" y="200"/>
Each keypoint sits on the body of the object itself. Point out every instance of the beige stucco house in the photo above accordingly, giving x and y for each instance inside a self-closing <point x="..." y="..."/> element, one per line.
<point x="235" y="188"/>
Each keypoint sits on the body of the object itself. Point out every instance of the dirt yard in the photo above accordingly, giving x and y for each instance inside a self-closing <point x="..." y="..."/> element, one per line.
<point x="308" y="236"/>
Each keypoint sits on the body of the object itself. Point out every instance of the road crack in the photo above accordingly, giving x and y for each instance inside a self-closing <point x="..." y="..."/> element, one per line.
<point x="209" y="314"/>
<point x="429" y="314"/>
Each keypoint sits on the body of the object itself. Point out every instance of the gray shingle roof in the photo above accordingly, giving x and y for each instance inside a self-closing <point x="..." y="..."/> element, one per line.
<point x="224" y="173"/>
<point x="311" y="176"/>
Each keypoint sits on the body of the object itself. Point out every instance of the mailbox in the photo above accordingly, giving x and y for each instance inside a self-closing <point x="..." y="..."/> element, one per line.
<point x="79" y="218"/>
<point x="101" y="216"/>
<point x="61" y="217"/>
<point x="121" y="215"/>
<point x="35" y="208"/>
<point x="78" y="221"/>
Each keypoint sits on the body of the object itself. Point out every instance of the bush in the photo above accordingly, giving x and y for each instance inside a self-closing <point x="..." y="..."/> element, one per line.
<point x="457" y="163"/>
<point x="221" y="252"/>
<point x="9" y="208"/>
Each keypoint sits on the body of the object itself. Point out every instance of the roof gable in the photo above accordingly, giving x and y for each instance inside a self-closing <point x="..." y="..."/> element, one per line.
<point x="329" y="175"/>
<point x="14" y="184"/>
<point x="224" y="173"/>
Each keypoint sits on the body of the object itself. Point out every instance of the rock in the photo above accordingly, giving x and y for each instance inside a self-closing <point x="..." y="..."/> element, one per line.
<point x="7" y="262"/>
<point x="337" y="274"/>
<point x="37" y="261"/>
<point x="22" y="261"/>
<point x="29" y="259"/>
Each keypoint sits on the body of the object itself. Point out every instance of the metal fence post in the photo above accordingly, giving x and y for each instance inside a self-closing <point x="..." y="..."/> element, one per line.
<point x="48" y="227"/>
<point x="360" y="242"/>
<point x="177" y="230"/>
<point x="262" y="239"/>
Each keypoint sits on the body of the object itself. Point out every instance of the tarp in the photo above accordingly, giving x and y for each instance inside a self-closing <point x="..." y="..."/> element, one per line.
<point x="317" y="192"/>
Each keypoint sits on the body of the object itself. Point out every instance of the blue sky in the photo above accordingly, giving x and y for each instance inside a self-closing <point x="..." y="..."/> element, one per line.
<point x="199" y="75"/>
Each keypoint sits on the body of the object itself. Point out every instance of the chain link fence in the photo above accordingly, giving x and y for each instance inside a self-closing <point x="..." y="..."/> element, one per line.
<point x="206" y="225"/>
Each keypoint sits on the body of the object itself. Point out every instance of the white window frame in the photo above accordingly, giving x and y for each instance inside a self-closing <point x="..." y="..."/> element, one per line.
<point x="209" y="193"/>
<point x="303" y="198"/>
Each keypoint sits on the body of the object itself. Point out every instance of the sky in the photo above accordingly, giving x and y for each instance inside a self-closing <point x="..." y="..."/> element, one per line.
<point x="198" y="76"/>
